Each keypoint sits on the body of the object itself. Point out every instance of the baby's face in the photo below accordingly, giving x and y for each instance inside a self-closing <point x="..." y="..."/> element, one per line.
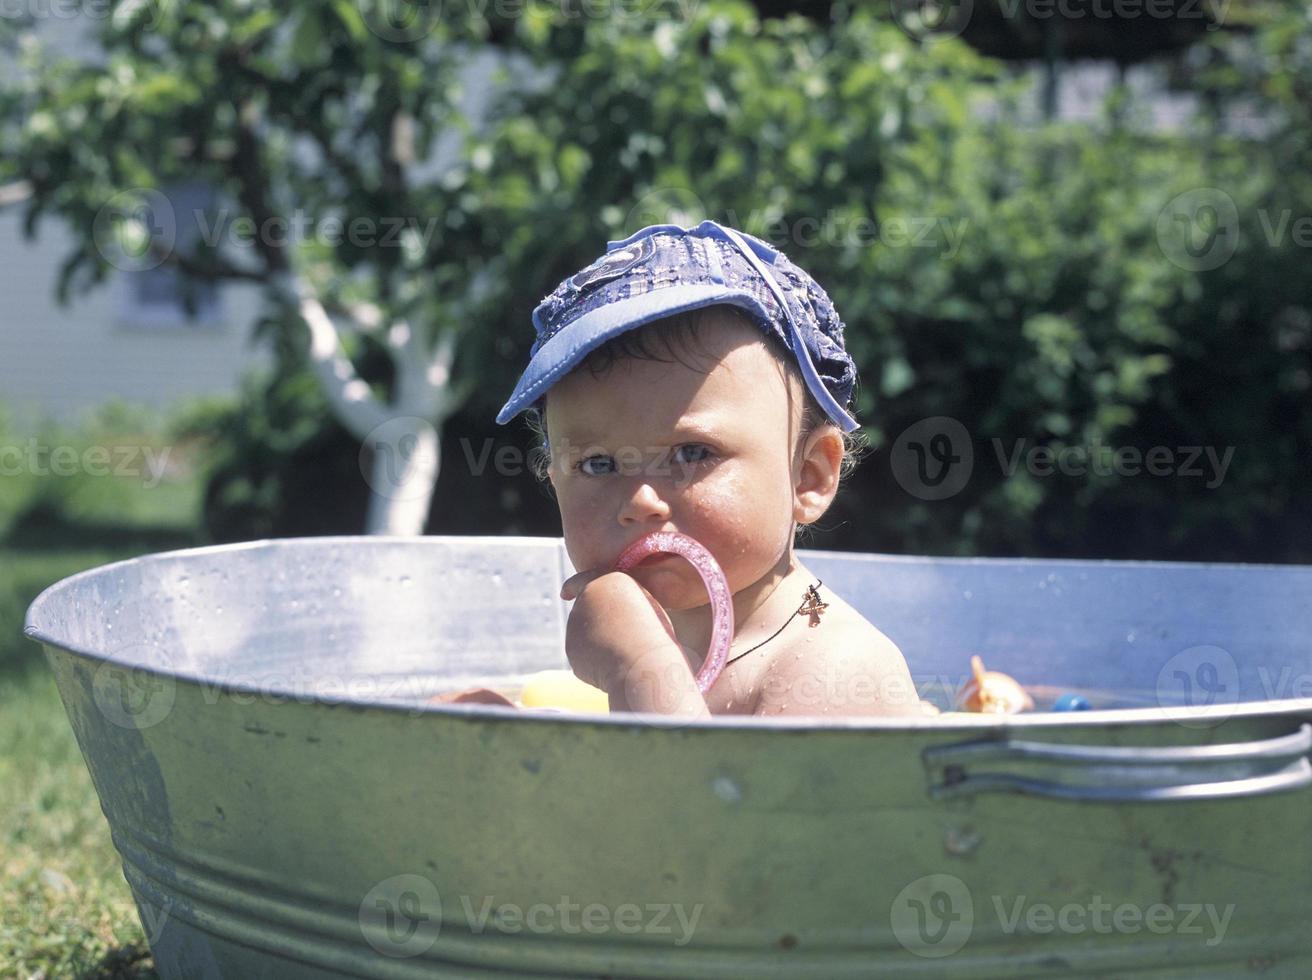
<point x="652" y="446"/>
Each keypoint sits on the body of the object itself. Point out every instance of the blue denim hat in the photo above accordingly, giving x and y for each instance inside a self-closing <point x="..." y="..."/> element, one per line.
<point x="665" y="269"/>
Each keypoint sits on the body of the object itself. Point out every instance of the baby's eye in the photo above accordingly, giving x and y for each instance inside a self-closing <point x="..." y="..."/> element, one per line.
<point x="692" y="453"/>
<point x="605" y="463"/>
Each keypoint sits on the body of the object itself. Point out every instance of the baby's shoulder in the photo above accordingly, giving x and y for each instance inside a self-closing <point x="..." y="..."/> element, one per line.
<point x="842" y="665"/>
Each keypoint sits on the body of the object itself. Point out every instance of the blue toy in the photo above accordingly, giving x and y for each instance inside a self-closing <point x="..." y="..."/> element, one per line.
<point x="1071" y="702"/>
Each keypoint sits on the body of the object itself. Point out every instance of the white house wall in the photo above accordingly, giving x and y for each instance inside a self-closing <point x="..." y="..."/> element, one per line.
<point x="61" y="362"/>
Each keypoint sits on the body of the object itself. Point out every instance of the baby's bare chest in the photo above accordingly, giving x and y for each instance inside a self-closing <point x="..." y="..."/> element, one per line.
<point x="790" y="671"/>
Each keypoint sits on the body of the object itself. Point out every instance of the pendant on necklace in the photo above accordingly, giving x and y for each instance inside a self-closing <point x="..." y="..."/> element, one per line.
<point x="812" y="606"/>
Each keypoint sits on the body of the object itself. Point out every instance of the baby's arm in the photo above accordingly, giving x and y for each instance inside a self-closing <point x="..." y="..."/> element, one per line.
<point x="619" y="639"/>
<point x="854" y="679"/>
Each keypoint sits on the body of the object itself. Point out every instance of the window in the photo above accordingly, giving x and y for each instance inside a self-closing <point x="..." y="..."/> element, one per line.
<point x="162" y="297"/>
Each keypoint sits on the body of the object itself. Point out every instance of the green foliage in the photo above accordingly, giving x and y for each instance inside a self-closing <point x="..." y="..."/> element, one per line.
<point x="1055" y="316"/>
<point x="276" y="464"/>
<point x="120" y="471"/>
<point x="1010" y="275"/>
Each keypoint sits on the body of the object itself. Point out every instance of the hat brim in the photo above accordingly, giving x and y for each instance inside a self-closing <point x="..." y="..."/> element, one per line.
<point x="559" y="355"/>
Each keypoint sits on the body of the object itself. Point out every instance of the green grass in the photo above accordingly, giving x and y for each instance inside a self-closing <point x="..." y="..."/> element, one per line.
<point x="67" y="911"/>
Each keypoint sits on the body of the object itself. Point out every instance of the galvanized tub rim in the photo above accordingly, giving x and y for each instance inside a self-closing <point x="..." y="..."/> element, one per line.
<point x="1199" y="715"/>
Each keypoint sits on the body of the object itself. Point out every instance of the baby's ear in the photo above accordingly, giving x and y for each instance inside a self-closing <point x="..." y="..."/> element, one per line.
<point x="818" y="470"/>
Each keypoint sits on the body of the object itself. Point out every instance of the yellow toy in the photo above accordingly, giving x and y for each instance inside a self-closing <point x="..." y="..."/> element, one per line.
<point x="562" y="690"/>
<point x="557" y="690"/>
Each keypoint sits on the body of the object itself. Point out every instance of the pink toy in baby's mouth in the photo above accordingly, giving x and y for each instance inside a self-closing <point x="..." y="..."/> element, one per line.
<point x="676" y="543"/>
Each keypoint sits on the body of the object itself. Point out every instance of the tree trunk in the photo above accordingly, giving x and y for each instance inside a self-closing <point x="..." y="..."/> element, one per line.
<point x="402" y="473"/>
<point x="401" y="450"/>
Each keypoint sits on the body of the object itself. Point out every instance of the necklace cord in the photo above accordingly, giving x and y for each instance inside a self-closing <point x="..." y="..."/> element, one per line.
<point x="805" y="602"/>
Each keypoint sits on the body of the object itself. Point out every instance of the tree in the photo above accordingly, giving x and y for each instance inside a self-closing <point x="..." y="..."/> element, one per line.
<point x="318" y="118"/>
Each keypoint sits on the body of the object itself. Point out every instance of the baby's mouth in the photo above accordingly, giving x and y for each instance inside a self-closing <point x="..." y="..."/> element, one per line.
<point x="655" y="560"/>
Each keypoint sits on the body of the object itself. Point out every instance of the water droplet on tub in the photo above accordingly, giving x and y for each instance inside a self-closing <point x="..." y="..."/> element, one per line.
<point x="1129" y="637"/>
<point x="406" y="582"/>
<point x="961" y="841"/>
<point x="726" y="789"/>
<point x="967" y="594"/>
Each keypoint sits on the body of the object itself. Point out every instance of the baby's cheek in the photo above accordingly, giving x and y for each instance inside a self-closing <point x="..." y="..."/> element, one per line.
<point x="746" y="535"/>
<point x="581" y="538"/>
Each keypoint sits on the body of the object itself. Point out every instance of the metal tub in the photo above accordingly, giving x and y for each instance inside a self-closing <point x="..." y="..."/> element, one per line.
<point x="287" y="806"/>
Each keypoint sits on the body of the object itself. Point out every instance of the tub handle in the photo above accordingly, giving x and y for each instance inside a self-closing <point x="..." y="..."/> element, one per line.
<point x="1119" y="774"/>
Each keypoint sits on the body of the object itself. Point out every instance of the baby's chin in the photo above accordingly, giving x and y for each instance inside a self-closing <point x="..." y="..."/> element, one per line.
<point x="674" y="589"/>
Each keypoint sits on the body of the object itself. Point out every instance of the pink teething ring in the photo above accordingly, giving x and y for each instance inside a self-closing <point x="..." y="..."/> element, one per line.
<point x="675" y="543"/>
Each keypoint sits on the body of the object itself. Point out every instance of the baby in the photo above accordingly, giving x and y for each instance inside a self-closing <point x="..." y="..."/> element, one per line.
<point x="695" y="380"/>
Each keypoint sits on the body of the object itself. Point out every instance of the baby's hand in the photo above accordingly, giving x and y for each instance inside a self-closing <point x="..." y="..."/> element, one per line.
<point x="620" y="639"/>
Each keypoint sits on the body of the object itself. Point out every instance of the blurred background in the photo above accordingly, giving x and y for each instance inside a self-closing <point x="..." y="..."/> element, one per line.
<point x="268" y="271"/>
<point x="1070" y="242"/>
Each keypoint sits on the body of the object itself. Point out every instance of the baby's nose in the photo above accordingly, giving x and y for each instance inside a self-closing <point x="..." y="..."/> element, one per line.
<point x="642" y="504"/>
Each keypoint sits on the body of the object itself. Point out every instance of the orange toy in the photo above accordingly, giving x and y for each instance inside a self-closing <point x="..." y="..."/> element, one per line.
<point x="993" y="692"/>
